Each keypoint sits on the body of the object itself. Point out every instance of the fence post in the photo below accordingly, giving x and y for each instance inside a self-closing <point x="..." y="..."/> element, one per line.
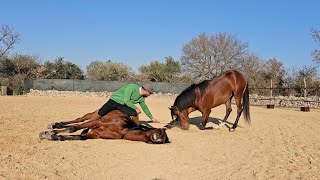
<point x="3" y="90"/>
<point x="305" y="88"/>
<point x="271" y="88"/>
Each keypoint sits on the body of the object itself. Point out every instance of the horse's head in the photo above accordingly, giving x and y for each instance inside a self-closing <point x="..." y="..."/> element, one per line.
<point x="159" y="136"/>
<point x="181" y="116"/>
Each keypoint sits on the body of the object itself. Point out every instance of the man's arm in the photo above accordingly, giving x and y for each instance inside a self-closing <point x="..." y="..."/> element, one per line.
<point x="146" y="109"/>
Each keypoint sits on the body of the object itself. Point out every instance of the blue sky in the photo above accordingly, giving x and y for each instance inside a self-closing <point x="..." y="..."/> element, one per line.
<point x="137" y="32"/>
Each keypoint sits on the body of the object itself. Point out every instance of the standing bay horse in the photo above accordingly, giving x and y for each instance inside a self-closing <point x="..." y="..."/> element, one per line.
<point x="212" y="93"/>
<point x="114" y="125"/>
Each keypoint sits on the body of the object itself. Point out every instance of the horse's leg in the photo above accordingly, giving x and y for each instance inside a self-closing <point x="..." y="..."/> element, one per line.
<point x="56" y="137"/>
<point x="74" y="128"/>
<point x="53" y="135"/>
<point x="89" y="135"/>
<point x="60" y="125"/>
<point x="228" y="111"/>
<point x="239" y="111"/>
<point x="205" y="116"/>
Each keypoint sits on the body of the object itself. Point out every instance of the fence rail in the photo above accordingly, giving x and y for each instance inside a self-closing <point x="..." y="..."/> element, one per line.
<point x="96" y="86"/>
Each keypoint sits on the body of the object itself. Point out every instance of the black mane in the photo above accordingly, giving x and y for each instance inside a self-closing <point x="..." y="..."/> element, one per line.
<point x="188" y="96"/>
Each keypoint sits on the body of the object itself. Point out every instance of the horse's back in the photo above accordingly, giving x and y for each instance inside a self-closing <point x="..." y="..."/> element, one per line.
<point x="233" y="80"/>
<point x="223" y="86"/>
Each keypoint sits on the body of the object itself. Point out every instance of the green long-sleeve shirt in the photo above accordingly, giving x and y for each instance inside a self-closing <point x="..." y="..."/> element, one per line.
<point x="130" y="95"/>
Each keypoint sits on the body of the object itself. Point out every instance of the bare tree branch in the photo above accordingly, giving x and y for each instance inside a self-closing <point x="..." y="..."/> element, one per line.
<point x="7" y="39"/>
<point x="315" y="33"/>
<point x="205" y="57"/>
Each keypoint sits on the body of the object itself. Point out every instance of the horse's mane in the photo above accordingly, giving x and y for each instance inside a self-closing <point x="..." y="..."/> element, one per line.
<point x="131" y="125"/>
<point x="188" y="96"/>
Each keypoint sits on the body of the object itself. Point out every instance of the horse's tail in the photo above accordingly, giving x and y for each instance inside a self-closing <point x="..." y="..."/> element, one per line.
<point x="246" y="103"/>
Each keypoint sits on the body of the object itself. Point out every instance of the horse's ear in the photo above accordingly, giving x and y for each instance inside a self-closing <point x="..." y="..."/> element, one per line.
<point x="174" y="108"/>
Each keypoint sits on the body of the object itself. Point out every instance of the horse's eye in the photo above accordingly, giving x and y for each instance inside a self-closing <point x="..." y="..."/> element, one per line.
<point x="154" y="137"/>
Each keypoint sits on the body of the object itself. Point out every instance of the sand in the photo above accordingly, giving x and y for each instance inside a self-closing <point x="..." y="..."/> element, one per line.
<point x="279" y="144"/>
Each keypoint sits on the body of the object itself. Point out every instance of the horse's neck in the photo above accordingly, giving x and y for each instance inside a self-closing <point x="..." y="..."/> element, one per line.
<point x="136" y="135"/>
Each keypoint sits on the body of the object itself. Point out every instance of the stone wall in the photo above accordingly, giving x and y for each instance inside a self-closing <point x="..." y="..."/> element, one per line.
<point x="285" y="101"/>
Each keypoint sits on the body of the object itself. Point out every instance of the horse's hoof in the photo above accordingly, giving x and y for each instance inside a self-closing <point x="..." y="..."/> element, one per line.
<point x="52" y="125"/>
<point x="55" y="125"/>
<point x="232" y="130"/>
<point x="42" y="135"/>
<point x="46" y="135"/>
<point x="206" y="128"/>
<point x="55" y="137"/>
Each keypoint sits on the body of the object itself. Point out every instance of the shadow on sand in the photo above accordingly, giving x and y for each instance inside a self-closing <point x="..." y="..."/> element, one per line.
<point x="198" y="120"/>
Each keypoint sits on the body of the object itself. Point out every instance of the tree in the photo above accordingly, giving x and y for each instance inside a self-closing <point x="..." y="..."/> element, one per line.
<point x="7" y="39"/>
<point x="229" y="51"/>
<point x="316" y="53"/>
<point x="61" y="69"/>
<point x="251" y="66"/>
<point x="161" y="72"/>
<point x="274" y="70"/>
<point x="172" y="68"/>
<point x="205" y="57"/>
<point x="6" y="66"/>
<point x="108" y="71"/>
<point x="309" y="73"/>
<point x="17" y="69"/>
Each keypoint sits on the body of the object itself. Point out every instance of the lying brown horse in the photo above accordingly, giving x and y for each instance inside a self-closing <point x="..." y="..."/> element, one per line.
<point x="209" y="94"/>
<point x="114" y="125"/>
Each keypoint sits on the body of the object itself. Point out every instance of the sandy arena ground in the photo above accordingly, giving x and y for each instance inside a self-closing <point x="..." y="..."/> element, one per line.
<point x="280" y="144"/>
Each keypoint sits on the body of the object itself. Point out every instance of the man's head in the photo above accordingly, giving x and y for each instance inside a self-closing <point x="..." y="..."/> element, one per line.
<point x="147" y="90"/>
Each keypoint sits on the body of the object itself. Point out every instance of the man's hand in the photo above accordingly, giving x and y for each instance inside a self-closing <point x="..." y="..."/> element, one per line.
<point x="138" y="111"/>
<point x="155" y="120"/>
